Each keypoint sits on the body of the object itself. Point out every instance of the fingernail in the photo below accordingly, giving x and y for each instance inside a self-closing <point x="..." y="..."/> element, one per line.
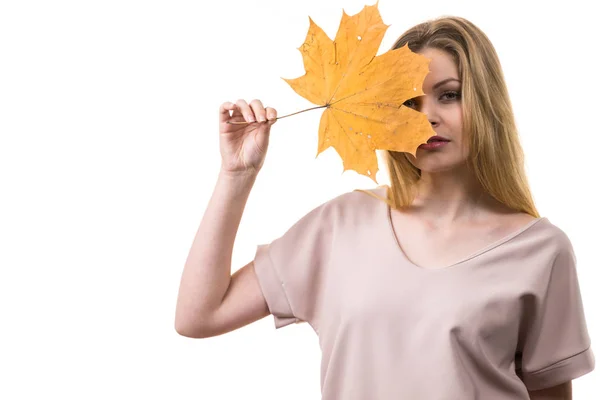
<point x="251" y="118"/>
<point x="261" y="119"/>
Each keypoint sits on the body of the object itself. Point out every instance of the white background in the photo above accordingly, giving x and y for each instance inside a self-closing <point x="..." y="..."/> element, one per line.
<point x="109" y="154"/>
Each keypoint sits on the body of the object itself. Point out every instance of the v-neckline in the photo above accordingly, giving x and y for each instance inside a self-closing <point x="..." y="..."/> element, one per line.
<point x="473" y="255"/>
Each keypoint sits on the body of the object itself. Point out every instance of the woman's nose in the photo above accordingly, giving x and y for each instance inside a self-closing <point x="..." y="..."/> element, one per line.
<point x="429" y="111"/>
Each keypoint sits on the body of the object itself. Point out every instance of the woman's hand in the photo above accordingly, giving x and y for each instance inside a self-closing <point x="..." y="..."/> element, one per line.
<point x="244" y="146"/>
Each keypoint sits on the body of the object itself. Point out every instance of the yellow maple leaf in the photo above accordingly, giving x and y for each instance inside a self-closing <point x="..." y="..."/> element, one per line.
<point x="363" y="93"/>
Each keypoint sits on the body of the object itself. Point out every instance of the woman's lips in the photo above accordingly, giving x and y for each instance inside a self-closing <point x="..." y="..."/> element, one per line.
<point x="433" y="144"/>
<point x="437" y="138"/>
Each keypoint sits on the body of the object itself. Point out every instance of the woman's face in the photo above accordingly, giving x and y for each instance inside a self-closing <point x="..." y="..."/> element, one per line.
<point x="442" y="104"/>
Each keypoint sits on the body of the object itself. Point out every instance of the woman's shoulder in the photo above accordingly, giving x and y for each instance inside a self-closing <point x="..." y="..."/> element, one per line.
<point x="550" y="233"/>
<point x="359" y="197"/>
<point x="350" y="207"/>
<point x="369" y="194"/>
<point x="349" y="204"/>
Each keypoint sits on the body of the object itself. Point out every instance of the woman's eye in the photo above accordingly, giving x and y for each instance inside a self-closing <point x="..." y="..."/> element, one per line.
<point x="450" y="96"/>
<point x="409" y="103"/>
<point x="454" y="95"/>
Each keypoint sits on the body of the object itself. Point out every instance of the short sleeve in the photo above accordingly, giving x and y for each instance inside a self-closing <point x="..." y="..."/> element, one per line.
<point x="556" y="345"/>
<point x="291" y="269"/>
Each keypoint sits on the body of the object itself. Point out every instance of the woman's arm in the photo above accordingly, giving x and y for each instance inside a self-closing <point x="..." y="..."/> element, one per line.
<point x="559" y="392"/>
<point x="206" y="277"/>
<point x="207" y="272"/>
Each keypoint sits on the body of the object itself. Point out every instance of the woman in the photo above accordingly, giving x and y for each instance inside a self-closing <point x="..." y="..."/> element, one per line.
<point x="445" y="285"/>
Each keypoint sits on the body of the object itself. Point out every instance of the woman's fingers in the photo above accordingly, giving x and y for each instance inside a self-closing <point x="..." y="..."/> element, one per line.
<point x="255" y="111"/>
<point x="271" y="113"/>
<point x="259" y="110"/>
<point x="245" y="110"/>
<point x="224" y="111"/>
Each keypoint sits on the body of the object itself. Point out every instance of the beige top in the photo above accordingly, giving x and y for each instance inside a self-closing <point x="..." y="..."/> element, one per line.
<point x="503" y="320"/>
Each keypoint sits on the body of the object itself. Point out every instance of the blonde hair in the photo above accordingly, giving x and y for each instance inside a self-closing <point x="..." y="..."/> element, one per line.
<point x="495" y="153"/>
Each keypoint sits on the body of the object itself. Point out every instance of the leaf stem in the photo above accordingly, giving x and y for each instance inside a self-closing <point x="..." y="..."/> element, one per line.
<point x="297" y="112"/>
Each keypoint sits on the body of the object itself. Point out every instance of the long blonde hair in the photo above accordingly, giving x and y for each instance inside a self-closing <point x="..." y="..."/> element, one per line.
<point x="495" y="153"/>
